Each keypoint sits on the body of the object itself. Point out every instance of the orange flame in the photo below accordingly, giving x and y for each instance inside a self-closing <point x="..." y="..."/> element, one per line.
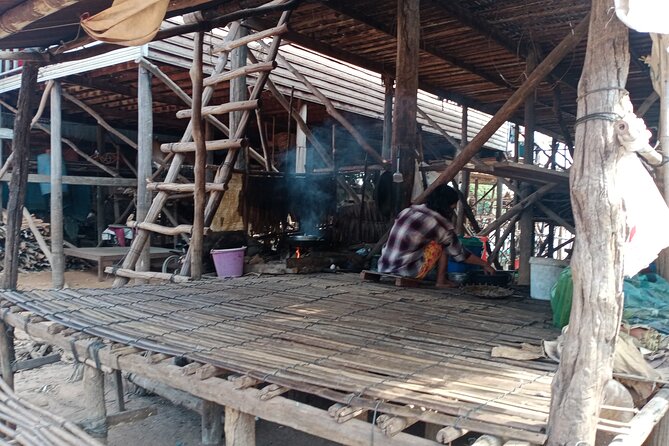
<point x="297" y="253"/>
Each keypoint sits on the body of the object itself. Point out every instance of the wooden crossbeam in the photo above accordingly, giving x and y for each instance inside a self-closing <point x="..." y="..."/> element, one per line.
<point x="243" y="71"/>
<point x="132" y="274"/>
<point x="222" y="109"/>
<point x="229" y="46"/>
<point x="221" y="144"/>
<point x="185" y="188"/>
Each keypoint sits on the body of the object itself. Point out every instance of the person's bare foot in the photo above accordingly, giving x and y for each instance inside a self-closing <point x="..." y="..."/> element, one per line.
<point x="446" y="284"/>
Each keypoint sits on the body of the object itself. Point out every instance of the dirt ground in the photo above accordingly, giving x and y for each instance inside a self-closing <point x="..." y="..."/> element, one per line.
<point x="50" y="387"/>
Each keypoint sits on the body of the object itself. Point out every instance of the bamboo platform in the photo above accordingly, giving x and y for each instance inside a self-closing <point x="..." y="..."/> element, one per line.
<point x="422" y="354"/>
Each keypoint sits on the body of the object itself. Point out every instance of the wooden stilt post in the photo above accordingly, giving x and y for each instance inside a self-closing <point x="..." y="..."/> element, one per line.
<point x="144" y="159"/>
<point x="587" y="355"/>
<point x="100" y="190"/>
<point x="238" y="91"/>
<point x="2" y="161"/>
<point x="498" y="211"/>
<point x="406" y="101"/>
<point x="464" y="175"/>
<point x="57" y="254"/>
<point x="212" y="425"/>
<point x="94" y="394"/>
<point x="197" y="236"/>
<point x="527" y="219"/>
<point x="388" y="83"/>
<point x="19" y="181"/>
<point x="240" y="428"/>
<point x="504" y="113"/>
<point x="7" y="353"/>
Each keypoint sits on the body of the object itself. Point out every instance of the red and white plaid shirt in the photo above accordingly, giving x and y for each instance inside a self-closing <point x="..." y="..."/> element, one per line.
<point x="414" y="228"/>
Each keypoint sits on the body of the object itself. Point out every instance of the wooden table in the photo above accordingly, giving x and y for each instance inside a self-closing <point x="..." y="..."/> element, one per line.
<point x="107" y="256"/>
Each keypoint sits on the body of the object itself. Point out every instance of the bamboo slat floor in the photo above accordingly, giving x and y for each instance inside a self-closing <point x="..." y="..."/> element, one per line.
<point x="372" y="345"/>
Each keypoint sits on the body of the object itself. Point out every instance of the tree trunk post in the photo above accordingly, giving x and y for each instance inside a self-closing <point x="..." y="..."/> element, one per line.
<point x="212" y="425"/>
<point x="57" y="254"/>
<point x="19" y="180"/>
<point x="94" y="394"/>
<point x="240" y="428"/>
<point x="238" y="90"/>
<point x="144" y="160"/>
<point x="526" y="224"/>
<point x="597" y="263"/>
<point x="406" y="100"/>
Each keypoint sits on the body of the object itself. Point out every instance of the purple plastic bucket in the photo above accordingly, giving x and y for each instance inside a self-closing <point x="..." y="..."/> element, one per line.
<point x="229" y="262"/>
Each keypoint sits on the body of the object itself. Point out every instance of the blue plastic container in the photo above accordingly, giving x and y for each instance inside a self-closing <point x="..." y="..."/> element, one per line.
<point x="471" y="244"/>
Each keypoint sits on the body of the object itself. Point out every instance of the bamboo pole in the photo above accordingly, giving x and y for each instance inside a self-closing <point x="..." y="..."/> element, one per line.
<point x="510" y="106"/>
<point x="197" y="234"/>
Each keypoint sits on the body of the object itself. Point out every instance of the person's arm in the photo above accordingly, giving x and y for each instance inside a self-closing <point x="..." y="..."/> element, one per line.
<point x="475" y="260"/>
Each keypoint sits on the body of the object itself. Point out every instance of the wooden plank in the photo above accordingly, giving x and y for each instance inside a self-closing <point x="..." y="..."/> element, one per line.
<point x="33" y="363"/>
<point x="132" y="274"/>
<point x="245" y="70"/>
<point x="229" y="46"/>
<point x="643" y="423"/>
<point x="130" y="416"/>
<point x="221" y="144"/>
<point x="77" y="180"/>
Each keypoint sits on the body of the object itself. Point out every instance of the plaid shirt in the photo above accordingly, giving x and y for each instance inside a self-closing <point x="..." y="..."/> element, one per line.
<point x="414" y="228"/>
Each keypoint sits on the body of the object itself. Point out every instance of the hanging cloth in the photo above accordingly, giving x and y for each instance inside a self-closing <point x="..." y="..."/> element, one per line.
<point x="127" y="22"/>
<point x="646" y="16"/>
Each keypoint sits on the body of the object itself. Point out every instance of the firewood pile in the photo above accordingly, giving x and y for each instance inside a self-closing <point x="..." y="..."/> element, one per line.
<point x="31" y="256"/>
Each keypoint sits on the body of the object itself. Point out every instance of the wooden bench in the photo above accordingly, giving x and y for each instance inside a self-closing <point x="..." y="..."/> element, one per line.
<point x="107" y="256"/>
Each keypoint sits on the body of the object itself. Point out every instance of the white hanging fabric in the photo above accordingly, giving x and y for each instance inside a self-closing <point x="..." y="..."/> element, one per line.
<point x="647" y="16"/>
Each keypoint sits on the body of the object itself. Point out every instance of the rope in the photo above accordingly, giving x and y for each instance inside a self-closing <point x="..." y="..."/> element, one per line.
<point x="605" y="116"/>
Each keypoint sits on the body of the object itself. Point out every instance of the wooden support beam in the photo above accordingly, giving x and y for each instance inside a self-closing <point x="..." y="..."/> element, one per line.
<point x="527" y="201"/>
<point x="331" y="110"/>
<point x="33" y="363"/>
<point x="19" y="178"/>
<point x="392" y="425"/>
<point x="25" y="13"/>
<point x="499" y="241"/>
<point x="131" y="416"/>
<point x="184" y="188"/>
<point x="199" y="192"/>
<point x="559" y="220"/>
<point x="660" y="434"/>
<point x="212" y="425"/>
<point x="271" y="391"/>
<point x="100" y="120"/>
<point x="144" y="158"/>
<point x="95" y="423"/>
<point x="240" y="428"/>
<point x="229" y="46"/>
<point x="242" y="71"/>
<point x="221" y="144"/>
<point x="164" y="230"/>
<point x="221" y="109"/>
<point x="449" y="434"/>
<point x="389" y="85"/>
<point x="510" y="106"/>
<point x="68" y="142"/>
<point x="89" y="181"/>
<point x="643" y="422"/>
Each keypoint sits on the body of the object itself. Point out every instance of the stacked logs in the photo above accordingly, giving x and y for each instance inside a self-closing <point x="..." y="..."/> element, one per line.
<point x="31" y="256"/>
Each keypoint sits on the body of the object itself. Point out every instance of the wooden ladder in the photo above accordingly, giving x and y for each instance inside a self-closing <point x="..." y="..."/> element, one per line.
<point x="232" y="145"/>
